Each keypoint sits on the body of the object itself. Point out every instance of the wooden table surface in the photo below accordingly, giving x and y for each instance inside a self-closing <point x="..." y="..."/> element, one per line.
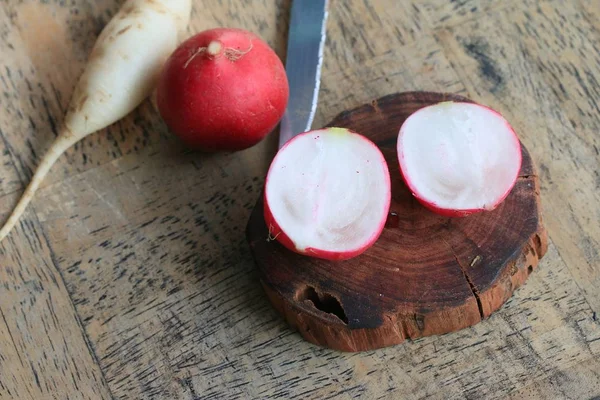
<point x="130" y="277"/>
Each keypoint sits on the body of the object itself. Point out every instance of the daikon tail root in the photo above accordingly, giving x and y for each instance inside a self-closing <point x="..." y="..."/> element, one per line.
<point x="60" y="145"/>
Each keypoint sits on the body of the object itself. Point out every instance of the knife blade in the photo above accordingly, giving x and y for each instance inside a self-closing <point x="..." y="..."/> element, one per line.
<point x="306" y="38"/>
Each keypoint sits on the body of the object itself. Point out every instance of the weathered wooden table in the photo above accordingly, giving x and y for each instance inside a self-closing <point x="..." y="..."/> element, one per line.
<point x="130" y="276"/>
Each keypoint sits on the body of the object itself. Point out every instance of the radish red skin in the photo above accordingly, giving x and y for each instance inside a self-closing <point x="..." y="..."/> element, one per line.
<point x="226" y="101"/>
<point x="448" y="212"/>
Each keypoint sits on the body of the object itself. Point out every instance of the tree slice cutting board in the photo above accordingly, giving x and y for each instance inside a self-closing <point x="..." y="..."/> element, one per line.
<point x="426" y="275"/>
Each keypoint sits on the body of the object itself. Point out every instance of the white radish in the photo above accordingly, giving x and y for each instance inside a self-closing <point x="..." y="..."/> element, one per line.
<point x="122" y="71"/>
<point x="327" y="194"/>
<point x="458" y="158"/>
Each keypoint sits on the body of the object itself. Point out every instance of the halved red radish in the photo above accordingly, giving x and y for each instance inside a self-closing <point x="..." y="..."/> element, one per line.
<point x="327" y="194"/>
<point x="458" y="158"/>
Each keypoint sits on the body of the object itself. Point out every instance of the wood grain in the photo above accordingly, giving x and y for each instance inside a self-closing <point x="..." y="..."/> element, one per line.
<point x="581" y="381"/>
<point x="149" y="239"/>
<point x="451" y="13"/>
<point x="425" y="275"/>
<point x="44" y="351"/>
<point x="415" y="66"/>
<point x="363" y="30"/>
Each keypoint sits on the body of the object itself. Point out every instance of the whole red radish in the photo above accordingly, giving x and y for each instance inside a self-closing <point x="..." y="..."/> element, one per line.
<point x="327" y="194"/>
<point x="222" y="90"/>
<point x="458" y="158"/>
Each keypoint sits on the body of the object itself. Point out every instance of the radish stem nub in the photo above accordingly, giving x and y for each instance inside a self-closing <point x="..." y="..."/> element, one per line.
<point x="214" y="47"/>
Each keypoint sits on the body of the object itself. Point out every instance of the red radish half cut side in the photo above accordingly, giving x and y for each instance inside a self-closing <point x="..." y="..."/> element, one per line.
<point x="458" y="158"/>
<point x="327" y="194"/>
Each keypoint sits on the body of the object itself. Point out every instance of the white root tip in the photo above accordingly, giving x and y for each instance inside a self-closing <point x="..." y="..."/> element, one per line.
<point x="61" y="144"/>
<point x="20" y="208"/>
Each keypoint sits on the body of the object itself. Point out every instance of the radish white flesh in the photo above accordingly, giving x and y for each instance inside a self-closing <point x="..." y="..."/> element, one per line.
<point x="328" y="194"/>
<point x="459" y="158"/>
<point x="121" y="72"/>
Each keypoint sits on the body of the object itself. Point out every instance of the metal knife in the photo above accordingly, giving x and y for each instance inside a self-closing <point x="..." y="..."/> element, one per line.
<point x="306" y="38"/>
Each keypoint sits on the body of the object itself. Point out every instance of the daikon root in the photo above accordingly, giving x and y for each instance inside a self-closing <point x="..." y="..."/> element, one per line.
<point x="122" y="71"/>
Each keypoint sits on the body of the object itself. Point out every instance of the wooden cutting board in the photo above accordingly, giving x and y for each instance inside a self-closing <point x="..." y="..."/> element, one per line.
<point x="426" y="275"/>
